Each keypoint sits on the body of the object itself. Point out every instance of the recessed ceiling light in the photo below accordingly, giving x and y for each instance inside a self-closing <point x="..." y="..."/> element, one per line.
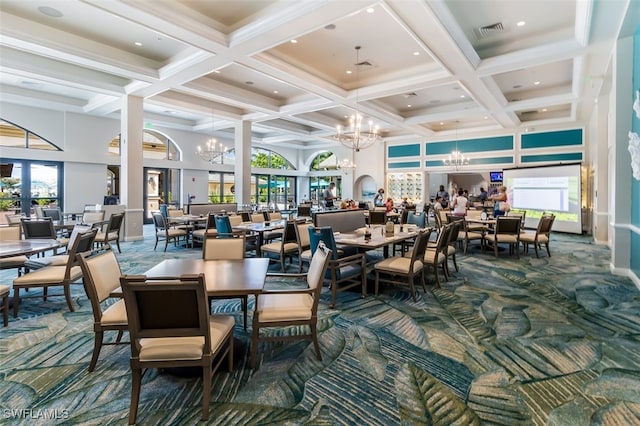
<point x="275" y="91"/>
<point x="486" y="117"/>
<point x="349" y="72"/>
<point x="462" y="96"/>
<point x="442" y="123"/>
<point x="370" y="10"/>
<point x="535" y="83"/>
<point x="521" y="23"/>
<point x="544" y="110"/>
<point x="409" y="106"/>
<point x="416" y="53"/>
<point x="137" y="43"/>
<point x="294" y="41"/>
<point x="50" y="11"/>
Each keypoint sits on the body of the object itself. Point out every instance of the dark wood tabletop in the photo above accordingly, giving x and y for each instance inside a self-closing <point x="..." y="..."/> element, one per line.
<point x="222" y="277"/>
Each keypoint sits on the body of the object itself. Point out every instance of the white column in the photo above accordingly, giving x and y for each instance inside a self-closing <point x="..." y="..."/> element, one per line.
<point x="131" y="128"/>
<point x="242" y="167"/>
<point x="620" y="166"/>
<point x="600" y="166"/>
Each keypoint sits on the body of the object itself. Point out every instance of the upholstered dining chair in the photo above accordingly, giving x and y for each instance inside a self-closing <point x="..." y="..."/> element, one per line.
<point x="4" y="305"/>
<point x="166" y="233"/>
<point x="403" y="270"/>
<point x="199" y="235"/>
<point x="292" y="306"/>
<point x="542" y="235"/>
<point x="53" y="213"/>
<point x="14" y="262"/>
<point x="287" y="246"/>
<point x="189" y="337"/>
<point x="101" y="277"/>
<point x="507" y="231"/>
<point x="55" y="275"/>
<point x="377" y="217"/>
<point x="437" y="255"/>
<point x="343" y="272"/>
<point x="41" y="228"/>
<point x="92" y="217"/>
<point x="215" y="247"/>
<point x="112" y="231"/>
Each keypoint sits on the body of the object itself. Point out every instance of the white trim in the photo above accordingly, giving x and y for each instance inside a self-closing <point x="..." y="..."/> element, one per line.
<point x="625" y="272"/>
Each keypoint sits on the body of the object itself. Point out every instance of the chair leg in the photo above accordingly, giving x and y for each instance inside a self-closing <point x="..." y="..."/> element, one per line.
<point x="314" y="336"/>
<point x="424" y="281"/>
<point x="412" y="288"/>
<point x="156" y="244"/>
<point x="455" y="263"/>
<point x="254" y="343"/>
<point x="230" y="353"/>
<point x="45" y="293"/>
<point x="67" y="296"/>
<point x="548" y="252"/>
<point x="206" y="390"/>
<point x="245" y="302"/>
<point x="119" y="337"/>
<point x="136" y="379"/>
<point x="97" y="344"/>
<point x="377" y="281"/>
<point x="5" y="309"/>
<point x="118" y="245"/>
<point x="16" y="301"/>
<point x="435" y="272"/>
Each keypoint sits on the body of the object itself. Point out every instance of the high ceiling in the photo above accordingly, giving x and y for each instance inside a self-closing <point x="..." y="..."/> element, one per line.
<point x="425" y="68"/>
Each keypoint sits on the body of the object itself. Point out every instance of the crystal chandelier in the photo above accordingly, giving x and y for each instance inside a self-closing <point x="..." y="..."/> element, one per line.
<point x="456" y="158"/>
<point x="346" y="165"/>
<point x="213" y="152"/>
<point x="355" y="136"/>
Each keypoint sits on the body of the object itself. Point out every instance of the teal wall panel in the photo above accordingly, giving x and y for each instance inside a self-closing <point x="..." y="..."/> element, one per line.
<point x="551" y="158"/>
<point x="635" y="254"/>
<point x="552" y="139"/>
<point x="404" y="150"/>
<point x="635" y="127"/>
<point x="498" y="143"/>
<point x="475" y="161"/>
<point x="403" y="164"/>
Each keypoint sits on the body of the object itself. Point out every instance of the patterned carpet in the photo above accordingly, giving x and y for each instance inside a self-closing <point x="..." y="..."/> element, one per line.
<point x="532" y="341"/>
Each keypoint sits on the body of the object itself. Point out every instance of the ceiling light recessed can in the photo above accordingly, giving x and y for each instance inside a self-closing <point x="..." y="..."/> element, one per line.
<point x="294" y="41"/>
<point x="370" y="10"/>
<point x="535" y="83"/>
<point x="137" y="43"/>
<point x="416" y="53"/>
<point x="521" y="23"/>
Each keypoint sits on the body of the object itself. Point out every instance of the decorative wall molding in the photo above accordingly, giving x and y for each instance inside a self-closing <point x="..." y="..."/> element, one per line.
<point x="634" y="150"/>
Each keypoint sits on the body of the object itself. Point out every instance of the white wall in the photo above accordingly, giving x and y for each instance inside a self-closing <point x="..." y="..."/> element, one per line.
<point x="84" y="183"/>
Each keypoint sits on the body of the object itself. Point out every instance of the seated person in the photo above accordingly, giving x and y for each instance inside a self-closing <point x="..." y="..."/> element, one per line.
<point x="344" y="205"/>
<point x="389" y="204"/>
<point x="353" y="205"/>
<point x="437" y="206"/>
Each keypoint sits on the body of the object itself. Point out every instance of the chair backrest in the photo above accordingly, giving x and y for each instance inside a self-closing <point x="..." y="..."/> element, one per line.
<point x="377" y="217"/>
<point x="77" y="229"/>
<point x="167" y="307"/>
<point x="175" y="212"/>
<point x="164" y="211"/>
<point x="275" y="216"/>
<point x="302" y="235"/>
<point x="257" y="217"/>
<point x="159" y="222"/>
<point x="324" y="234"/>
<point x="420" y="245"/>
<point x="54" y="214"/>
<point x="443" y="238"/>
<point x="101" y="275"/>
<point x="454" y="232"/>
<point x="115" y="222"/>
<point x="38" y="228"/>
<point x="474" y="214"/>
<point x="214" y="248"/>
<point x="403" y="216"/>
<point x="545" y="224"/>
<point x="318" y="270"/>
<point x="10" y="233"/>
<point x="91" y="217"/>
<point x="223" y="225"/>
<point x="304" y="211"/>
<point x="289" y="234"/>
<point x="235" y="219"/>
<point x="508" y="225"/>
<point x="246" y="216"/>
<point x="454" y="218"/>
<point x="14" y="219"/>
<point x="414" y="218"/>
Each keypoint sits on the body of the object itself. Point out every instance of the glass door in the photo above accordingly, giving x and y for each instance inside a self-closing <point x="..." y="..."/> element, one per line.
<point x="161" y="186"/>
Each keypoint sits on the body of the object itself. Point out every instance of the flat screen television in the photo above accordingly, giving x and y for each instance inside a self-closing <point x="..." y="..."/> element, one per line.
<point x="495" y="177"/>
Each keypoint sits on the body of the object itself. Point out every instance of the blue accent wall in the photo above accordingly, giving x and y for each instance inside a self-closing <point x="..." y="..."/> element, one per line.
<point x="403" y="164"/>
<point x="498" y="143"/>
<point x="404" y="150"/>
<point x="552" y="139"/>
<point x="552" y="158"/>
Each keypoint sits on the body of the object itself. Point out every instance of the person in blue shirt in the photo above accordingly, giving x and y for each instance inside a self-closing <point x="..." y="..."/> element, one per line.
<point x="379" y="199"/>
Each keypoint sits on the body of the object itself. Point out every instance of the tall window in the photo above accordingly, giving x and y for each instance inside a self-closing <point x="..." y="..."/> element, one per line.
<point x="222" y="188"/>
<point x="30" y="183"/>
<point x="262" y="158"/>
<point x="273" y="191"/>
<point x="325" y="161"/>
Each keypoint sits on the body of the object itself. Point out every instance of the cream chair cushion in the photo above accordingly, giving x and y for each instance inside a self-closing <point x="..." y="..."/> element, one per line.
<point x="115" y="314"/>
<point x="49" y="274"/>
<point x="188" y="348"/>
<point x="275" y="247"/>
<point x="398" y="264"/>
<point x="284" y="307"/>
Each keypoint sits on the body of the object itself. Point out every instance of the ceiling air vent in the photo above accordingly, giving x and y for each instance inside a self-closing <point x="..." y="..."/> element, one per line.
<point x="489" y="30"/>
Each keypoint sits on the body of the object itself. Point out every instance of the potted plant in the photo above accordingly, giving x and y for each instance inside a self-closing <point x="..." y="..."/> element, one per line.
<point x="6" y="208"/>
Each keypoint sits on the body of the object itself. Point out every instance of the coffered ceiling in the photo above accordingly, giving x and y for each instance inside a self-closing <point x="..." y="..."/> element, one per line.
<point x="424" y="68"/>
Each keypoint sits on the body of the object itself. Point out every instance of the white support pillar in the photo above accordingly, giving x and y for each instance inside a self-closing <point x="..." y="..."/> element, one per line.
<point x="242" y="168"/>
<point x="131" y="169"/>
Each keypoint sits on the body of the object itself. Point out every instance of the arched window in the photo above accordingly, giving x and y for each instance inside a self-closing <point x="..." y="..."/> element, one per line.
<point x="325" y="161"/>
<point x="155" y="145"/>
<point x="14" y="136"/>
<point x="262" y="158"/>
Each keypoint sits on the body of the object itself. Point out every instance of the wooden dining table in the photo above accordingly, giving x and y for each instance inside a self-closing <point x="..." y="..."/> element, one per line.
<point x="260" y="228"/>
<point x="378" y="239"/>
